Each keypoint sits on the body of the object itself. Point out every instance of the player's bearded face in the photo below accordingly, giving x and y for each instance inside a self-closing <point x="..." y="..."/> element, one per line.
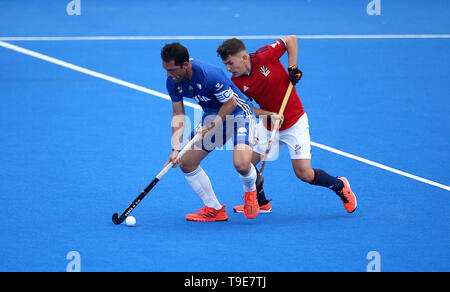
<point x="176" y="72"/>
<point x="237" y="64"/>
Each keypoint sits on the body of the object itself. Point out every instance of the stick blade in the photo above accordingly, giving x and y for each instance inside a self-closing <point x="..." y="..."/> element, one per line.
<point x="116" y="220"/>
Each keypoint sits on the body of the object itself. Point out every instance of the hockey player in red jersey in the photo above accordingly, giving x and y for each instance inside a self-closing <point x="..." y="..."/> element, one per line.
<point x="262" y="77"/>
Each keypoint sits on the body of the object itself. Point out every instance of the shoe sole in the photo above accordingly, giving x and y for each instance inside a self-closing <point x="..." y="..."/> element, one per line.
<point x="260" y="211"/>
<point x="205" y="220"/>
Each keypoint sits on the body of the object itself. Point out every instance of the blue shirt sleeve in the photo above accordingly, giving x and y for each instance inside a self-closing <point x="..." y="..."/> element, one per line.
<point x="220" y="86"/>
<point x="176" y="94"/>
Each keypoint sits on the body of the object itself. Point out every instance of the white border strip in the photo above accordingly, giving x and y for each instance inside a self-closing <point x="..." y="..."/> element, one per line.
<point x="224" y="37"/>
<point x="164" y="96"/>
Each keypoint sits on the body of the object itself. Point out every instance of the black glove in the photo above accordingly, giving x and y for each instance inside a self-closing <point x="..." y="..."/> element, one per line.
<point x="295" y="74"/>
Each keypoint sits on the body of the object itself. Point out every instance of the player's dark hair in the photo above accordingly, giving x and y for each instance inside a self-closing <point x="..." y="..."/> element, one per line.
<point x="230" y="47"/>
<point x="175" y="52"/>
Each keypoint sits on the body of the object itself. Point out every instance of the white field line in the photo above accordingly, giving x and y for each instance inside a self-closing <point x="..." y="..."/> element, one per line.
<point x="90" y="72"/>
<point x="195" y="106"/>
<point x="224" y="37"/>
<point x="379" y="165"/>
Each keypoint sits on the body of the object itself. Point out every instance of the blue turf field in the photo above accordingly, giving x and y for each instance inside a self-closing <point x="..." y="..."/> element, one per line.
<point x="74" y="148"/>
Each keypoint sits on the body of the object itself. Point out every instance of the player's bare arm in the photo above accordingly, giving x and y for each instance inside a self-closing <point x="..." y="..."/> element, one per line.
<point x="260" y="113"/>
<point x="226" y="109"/>
<point x="178" y="124"/>
<point x="292" y="50"/>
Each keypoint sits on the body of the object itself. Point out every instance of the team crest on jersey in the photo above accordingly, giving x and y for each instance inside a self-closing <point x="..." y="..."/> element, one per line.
<point x="180" y="89"/>
<point x="264" y="70"/>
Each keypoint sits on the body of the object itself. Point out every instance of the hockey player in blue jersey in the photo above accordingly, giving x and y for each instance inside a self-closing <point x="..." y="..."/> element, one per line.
<point x="227" y="114"/>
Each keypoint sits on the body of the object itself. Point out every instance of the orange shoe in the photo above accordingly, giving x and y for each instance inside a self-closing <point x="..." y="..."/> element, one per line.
<point x="264" y="209"/>
<point x="251" y="206"/>
<point x="208" y="214"/>
<point x="347" y="196"/>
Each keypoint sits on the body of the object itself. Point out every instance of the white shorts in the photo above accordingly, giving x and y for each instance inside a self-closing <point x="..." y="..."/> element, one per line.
<point x="296" y="138"/>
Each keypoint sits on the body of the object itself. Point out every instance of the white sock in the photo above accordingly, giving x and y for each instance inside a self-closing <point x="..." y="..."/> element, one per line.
<point x="249" y="180"/>
<point x="200" y="183"/>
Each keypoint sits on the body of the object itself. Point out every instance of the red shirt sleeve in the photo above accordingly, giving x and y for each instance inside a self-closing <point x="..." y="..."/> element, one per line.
<point x="271" y="52"/>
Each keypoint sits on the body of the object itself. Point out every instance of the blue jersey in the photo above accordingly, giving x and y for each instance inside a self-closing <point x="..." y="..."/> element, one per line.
<point x="210" y="88"/>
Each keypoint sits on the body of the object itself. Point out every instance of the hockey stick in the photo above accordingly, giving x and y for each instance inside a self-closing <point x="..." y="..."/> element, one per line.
<point x="119" y="220"/>
<point x="272" y="136"/>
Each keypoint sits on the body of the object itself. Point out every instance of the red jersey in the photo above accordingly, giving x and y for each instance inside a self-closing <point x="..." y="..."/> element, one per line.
<point x="268" y="81"/>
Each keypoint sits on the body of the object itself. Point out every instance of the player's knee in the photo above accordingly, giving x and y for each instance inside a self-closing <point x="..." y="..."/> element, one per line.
<point x="242" y="167"/>
<point x="188" y="167"/>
